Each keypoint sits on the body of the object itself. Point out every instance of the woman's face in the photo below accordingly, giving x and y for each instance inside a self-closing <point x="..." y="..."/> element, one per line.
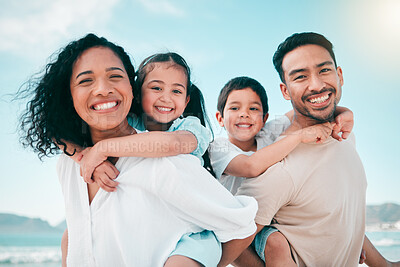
<point x="100" y="89"/>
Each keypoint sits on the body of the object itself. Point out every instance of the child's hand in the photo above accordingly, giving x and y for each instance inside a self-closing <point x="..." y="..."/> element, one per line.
<point x="344" y="123"/>
<point x="90" y="160"/>
<point x="316" y="133"/>
<point x="104" y="176"/>
<point x="77" y="157"/>
<point x="363" y="257"/>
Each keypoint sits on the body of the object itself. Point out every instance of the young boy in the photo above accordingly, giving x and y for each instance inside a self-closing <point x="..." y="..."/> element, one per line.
<point x="243" y="111"/>
<point x="250" y="150"/>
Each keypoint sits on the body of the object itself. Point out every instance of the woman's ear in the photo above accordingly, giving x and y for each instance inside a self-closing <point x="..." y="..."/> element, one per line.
<point x="220" y="119"/>
<point x="187" y="100"/>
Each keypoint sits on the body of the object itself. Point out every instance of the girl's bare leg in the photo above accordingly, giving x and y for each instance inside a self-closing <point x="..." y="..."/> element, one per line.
<point x="181" y="261"/>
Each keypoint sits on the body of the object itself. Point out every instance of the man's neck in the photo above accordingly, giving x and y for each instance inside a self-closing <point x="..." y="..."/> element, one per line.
<point x="300" y="121"/>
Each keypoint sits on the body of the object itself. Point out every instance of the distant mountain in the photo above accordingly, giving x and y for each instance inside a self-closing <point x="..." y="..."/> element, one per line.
<point x="385" y="213"/>
<point x="11" y="223"/>
<point x="61" y="226"/>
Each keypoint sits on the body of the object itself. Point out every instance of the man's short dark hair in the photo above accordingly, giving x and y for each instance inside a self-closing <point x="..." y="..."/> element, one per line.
<point x="240" y="83"/>
<point x="297" y="40"/>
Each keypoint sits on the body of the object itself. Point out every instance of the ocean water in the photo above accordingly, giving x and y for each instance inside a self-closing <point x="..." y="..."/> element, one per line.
<point x="43" y="250"/>
<point x="30" y="250"/>
<point x="387" y="243"/>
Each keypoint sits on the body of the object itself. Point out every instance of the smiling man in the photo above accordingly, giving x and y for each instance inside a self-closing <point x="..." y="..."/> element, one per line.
<point x="316" y="196"/>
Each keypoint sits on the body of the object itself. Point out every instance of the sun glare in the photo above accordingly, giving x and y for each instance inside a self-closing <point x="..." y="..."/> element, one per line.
<point x="390" y="17"/>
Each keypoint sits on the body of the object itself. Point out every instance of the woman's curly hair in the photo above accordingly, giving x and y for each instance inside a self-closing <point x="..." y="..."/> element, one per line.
<point x="50" y="116"/>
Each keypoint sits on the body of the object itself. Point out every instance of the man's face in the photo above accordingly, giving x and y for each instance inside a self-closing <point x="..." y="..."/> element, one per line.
<point x="313" y="84"/>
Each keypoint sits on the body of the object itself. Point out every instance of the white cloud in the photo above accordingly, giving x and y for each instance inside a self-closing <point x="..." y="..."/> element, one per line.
<point x="36" y="25"/>
<point x="162" y="7"/>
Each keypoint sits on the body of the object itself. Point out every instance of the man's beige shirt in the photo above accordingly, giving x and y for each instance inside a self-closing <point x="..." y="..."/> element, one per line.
<point x="316" y="196"/>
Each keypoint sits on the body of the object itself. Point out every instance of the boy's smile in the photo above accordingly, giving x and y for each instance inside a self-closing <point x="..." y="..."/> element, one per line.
<point x="243" y="118"/>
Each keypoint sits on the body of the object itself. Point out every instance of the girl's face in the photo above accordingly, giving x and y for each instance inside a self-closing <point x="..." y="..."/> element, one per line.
<point x="164" y="92"/>
<point x="100" y="89"/>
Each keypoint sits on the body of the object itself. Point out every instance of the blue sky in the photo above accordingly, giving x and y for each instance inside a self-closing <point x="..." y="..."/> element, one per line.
<point x="220" y="40"/>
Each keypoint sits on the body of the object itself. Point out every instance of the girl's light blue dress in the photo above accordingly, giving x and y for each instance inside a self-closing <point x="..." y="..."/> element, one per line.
<point x="202" y="247"/>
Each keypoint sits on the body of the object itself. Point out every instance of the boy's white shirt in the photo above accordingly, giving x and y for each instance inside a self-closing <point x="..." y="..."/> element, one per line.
<point x="222" y="151"/>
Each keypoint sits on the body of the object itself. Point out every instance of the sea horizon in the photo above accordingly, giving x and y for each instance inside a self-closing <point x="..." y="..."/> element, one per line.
<point x="43" y="250"/>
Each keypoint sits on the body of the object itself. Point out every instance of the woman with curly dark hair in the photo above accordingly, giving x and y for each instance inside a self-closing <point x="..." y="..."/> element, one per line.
<point x="84" y="97"/>
<point x="50" y="116"/>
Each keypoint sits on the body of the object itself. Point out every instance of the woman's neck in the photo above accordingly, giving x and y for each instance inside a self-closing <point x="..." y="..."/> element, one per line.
<point x="121" y="130"/>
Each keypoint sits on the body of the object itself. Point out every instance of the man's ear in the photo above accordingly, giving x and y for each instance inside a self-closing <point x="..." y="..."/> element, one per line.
<point x="220" y="120"/>
<point x="340" y="74"/>
<point x="266" y="118"/>
<point x="285" y="91"/>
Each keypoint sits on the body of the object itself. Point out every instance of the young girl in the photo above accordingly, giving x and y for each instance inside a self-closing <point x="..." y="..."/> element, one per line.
<point x="168" y="105"/>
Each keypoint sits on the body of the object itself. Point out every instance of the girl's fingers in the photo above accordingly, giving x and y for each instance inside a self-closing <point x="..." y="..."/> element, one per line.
<point x="100" y="181"/>
<point x="111" y="170"/>
<point x="87" y="173"/>
<point x="107" y="180"/>
<point x="86" y="178"/>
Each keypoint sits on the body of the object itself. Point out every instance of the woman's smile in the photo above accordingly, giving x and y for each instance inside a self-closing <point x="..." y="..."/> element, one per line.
<point x="100" y="89"/>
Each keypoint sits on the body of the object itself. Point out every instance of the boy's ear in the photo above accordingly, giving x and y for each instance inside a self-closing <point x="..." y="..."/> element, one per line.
<point x="285" y="91"/>
<point x="219" y="118"/>
<point x="266" y="117"/>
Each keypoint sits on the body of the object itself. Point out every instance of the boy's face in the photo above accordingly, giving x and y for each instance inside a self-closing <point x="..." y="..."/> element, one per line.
<point x="243" y="115"/>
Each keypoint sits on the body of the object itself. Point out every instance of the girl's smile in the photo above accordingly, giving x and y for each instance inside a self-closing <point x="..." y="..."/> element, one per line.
<point x="164" y="93"/>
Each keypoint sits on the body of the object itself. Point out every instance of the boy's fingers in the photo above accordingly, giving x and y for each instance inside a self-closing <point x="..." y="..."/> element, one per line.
<point x="345" y="135"/>
<point x="336" y="135"/>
